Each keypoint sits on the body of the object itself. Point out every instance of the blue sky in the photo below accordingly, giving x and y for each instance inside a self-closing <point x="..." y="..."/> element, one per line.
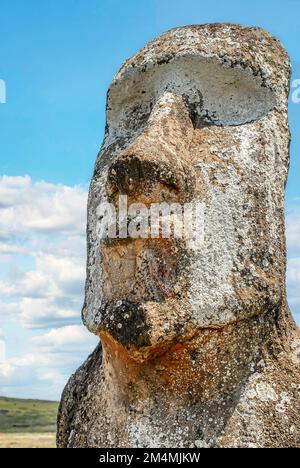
<point x="57" y="59"/>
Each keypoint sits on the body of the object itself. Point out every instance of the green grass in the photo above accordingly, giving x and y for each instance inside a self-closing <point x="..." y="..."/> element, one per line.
<point x="29" y="416"/>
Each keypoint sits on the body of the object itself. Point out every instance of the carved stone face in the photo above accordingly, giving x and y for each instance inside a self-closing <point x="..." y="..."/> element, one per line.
<point x="198" y="116"/>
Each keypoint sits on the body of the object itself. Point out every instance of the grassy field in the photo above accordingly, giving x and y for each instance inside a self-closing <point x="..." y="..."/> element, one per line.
<point x="27" y="423"/>
<point x="31" y="440"/>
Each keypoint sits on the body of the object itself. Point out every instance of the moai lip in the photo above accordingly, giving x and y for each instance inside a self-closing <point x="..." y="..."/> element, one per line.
<point x="198" y="346"/>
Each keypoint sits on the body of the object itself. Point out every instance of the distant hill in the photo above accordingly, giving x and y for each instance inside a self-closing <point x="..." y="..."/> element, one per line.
<point x="17" y="415"/>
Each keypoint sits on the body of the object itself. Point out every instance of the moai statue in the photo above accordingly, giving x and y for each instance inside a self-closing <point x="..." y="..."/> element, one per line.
<point x="197" y="344"/>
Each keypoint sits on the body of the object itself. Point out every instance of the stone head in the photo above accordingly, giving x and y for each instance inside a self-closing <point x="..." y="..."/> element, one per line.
<point x="198" y="117"/>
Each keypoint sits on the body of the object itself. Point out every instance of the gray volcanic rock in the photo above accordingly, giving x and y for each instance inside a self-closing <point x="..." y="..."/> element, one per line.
<point x="198" y="346"/>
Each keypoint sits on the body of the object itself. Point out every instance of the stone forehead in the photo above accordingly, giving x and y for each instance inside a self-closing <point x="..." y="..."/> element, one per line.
<point x="235" y="46"/>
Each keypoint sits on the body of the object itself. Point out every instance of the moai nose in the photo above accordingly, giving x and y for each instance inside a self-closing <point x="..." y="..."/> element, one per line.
<point x="159" y="156"/>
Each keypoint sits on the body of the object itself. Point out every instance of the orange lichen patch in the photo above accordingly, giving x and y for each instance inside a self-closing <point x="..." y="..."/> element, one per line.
<point x="182" y="364"/>
<point x="117" y="362"/>
<point x="206" y="362"/>
<point x="174" y="366"/>
<point x="185" y="369"/>
<point x="170" y="368"/>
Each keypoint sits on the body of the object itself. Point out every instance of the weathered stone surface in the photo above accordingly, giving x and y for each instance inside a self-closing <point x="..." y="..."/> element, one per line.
<point x="198" y="347"/>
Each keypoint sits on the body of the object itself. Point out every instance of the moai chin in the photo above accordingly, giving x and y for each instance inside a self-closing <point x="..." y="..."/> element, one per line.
<point x="198" y="347"/>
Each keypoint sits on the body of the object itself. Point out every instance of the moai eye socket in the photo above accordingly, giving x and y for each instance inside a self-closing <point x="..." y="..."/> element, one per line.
<point x="216" y="94"/>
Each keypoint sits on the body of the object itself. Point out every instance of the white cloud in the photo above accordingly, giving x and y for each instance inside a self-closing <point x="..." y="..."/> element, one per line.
<point x="64" y="339"/>
<point x="293" y="286"/>
<point x="9" y="309"/>
<point x="49" y="361"/>
<point x="6" y="371"/>
<point x="53" y="276"/>
<point x="293" y="229"/>
<point x="46" y="224"/>
<point x="28" y="206"/>
<point x="42" y="252"/>
<point x="38" y="313"/>
<point x="2" y="347"/>
<point x="293" y="264"/>
<point x="51" y="294"/>
<point x="10" y="249"/>
<point x="14" y="190"/>
<point x="293" y="274"/>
